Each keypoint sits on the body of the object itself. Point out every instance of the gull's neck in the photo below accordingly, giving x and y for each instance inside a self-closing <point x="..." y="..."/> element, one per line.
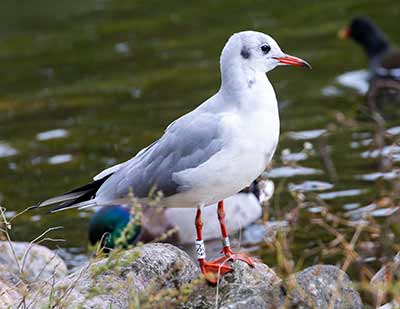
<point x="244" y="86"/>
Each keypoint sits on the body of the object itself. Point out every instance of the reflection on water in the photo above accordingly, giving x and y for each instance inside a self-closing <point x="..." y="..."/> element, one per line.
<point x="351" y="206"/>
<point x="394" y="130"/>
<point x="344" y="193"/>
<point x="56" y="133"/>
<point x="310" y="185"/>
<point x="59" y="159"/>
<point x="391" y="150"/>
<point x="291" y="171"/>
<point x="306" y="135"/>
<point x="6" y="150"/>
<point x="381" y="175"/>
<point x="372" y="210"/>
<point x="357" y="80"/>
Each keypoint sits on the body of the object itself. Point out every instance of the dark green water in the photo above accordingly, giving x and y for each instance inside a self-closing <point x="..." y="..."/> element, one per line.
<point x="114" y="74"/>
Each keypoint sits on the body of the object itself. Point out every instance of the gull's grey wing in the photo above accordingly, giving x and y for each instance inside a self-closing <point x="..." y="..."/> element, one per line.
<point x="188" y="142"/>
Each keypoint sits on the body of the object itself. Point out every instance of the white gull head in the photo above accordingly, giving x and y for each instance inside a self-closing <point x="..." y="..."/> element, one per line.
<point x="250" y="53"/>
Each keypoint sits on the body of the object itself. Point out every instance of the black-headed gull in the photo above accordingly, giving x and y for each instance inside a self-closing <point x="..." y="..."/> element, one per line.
<point x="208" y="154"/>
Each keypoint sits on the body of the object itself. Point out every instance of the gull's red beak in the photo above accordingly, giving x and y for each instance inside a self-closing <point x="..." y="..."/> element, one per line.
<point x="290" y="60"/>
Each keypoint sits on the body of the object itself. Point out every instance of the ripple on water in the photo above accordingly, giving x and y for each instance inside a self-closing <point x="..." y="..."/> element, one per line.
<point x="35" y="218"/>
<point x="359" y="212"/>
<point x="12" y="166"/>
<point x="391" y="150"/>
<point x="290" y="171"/>
<point x="6" y="150"/>
<point x="59" y="159"/>
<point x="393" y="130"/>
<point x="379" y="175"/>
<point x="286" y="155"/>
<point x="36" y="160"/>
<point x="122" y="48"/>
<point x="316" y="210"/>
<point x="351" y="206"/>
<point x="310" y="185"/>
<point x="372" y="210"/>
<point x="10" y="213"/>
<point x="306" y="135"/>
<point x="331" y="91"/>
<point x="56" y="133"/>
<point x="361" y="135"/>
<point x="344" y="193"/>
<point x="357" y="80"/>
<point x="361" y="143"/>
<point x="384" y="212"/>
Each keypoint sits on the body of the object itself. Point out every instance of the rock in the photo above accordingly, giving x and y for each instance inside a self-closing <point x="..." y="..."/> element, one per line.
<point x="318" y="286"/>
<point x="35" y="264"/>
<point x="385" y="276"/>
<point x="162" y="276"/>
<point x="387" y="272"/>
<point x="392" y="305"/>
<point x="9" y="296"/>
<point x="117" y="280"/>
<point x="260" y="287"/>
<point x="245" y="287"/>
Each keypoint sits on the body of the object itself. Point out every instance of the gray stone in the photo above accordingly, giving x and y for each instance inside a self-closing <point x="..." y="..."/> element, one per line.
<point x="389" y="271"/>
<point x="32" y="264"/>
<point x="117" y="280"/>
<point x="383" y="278"/>
<point x="392" y="305"/>
<point x="260" y="287"/>
<point x="248" y="287"/>
<point x="163" y="276"/>
<point x="320" y="286"/>
<point x="245" y="287"/>
<point x="9" y="296"/>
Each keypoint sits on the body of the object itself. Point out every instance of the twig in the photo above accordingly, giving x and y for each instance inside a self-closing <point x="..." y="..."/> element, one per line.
<point x="32" y="243"/>
<point x="326" y="156"/>
<point x="22" y="212"/>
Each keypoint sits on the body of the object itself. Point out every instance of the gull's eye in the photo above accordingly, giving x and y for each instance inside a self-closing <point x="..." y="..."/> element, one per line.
<point x="265" y="48"/>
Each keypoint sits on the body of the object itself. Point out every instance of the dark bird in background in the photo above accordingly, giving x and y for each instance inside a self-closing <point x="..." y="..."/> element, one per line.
<point x="384" y="63"/>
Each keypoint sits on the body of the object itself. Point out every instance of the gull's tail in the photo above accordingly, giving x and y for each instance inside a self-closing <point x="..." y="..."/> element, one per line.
<point x="80" y="197"/>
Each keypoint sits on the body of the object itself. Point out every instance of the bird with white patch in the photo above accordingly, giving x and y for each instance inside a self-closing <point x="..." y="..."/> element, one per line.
<point x="208" y="154"/>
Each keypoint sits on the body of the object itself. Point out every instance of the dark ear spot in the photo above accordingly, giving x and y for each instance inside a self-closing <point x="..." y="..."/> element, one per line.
<point x="245" y="53"/>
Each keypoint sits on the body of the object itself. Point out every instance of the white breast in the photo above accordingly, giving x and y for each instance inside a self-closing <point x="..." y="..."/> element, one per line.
<point x="251" y="136"/>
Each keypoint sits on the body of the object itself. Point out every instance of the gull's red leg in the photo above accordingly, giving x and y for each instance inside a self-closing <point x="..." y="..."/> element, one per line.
<point x="211" y="270"/>
<point x="225" y="239"/>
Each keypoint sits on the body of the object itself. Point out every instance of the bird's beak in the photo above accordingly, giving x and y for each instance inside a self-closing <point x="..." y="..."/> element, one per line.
<point x="291" y="60"/>
<point x="344" y="33"/>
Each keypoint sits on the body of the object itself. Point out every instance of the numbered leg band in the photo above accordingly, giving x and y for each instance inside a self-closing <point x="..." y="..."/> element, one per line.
<point x="200" y="249"/>
<point x="226" y="242"/>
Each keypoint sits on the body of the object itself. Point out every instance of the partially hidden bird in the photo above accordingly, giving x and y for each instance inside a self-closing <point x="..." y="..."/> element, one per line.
<point x="118" y="226"/>
<point x="110" y="227"/>
<point x="208" y="154"/>
<point x="383" y="59"/>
